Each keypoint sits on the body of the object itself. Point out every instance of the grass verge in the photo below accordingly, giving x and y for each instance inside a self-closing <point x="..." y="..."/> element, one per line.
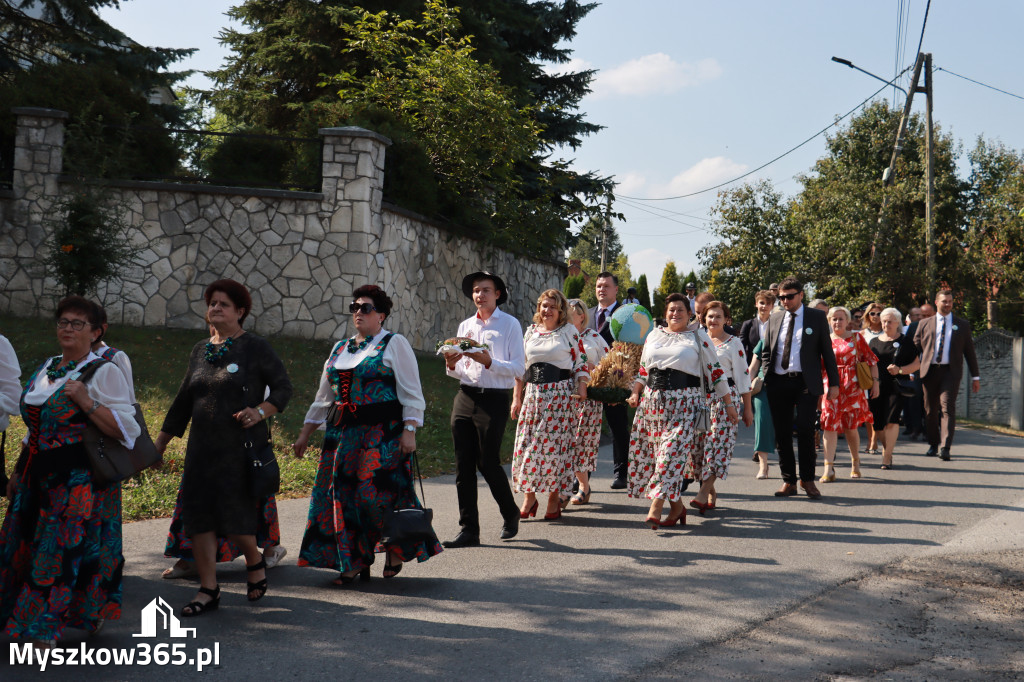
<point x="159" y="358"/>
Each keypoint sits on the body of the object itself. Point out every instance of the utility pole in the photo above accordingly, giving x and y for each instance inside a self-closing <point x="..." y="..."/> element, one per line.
<point x="929" y="199"/>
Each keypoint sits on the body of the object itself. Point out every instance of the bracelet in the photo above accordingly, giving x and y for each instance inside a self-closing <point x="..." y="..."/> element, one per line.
<point x="95" y="406"/>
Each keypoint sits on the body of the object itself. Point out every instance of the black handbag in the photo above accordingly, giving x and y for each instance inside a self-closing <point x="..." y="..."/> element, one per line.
<point x="402" y="526"/>
<point x="110" y="461"/>
<point x="264" y="471"/>
<point x="905" y="385"/>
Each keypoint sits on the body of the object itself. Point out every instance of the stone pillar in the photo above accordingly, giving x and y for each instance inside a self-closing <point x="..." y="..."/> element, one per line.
<point x="1016" y="385"/>
<point x="38" y="163"/>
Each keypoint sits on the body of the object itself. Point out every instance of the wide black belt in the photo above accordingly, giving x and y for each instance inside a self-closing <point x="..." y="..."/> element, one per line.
<point x="347" y="414"/>
<point x="671" y="380"/>
<point x="476" y="390"/>
<point x="55" y="460"/>
<point x="545" y="373"/>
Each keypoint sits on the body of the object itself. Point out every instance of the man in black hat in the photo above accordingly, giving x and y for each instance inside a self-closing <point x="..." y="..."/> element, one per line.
<point x="691" y="295"/>
<point x="481" y="408"/>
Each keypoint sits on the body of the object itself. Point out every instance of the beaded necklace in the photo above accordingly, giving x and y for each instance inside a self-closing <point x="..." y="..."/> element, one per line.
<point x="59" y="372"/>
<point x="354" y="347"/>
<point x="213" y="354"/>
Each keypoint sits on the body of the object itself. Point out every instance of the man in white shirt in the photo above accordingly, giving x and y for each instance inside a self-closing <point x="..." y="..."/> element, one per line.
<point x="10" y="395"/>
<point x="691" y="295"/>
<point x="481" y="408"/>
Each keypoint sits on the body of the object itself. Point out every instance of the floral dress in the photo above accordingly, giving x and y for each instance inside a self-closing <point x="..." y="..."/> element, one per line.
<point x="850" y="409"/>
<point x="720" y="441"/>
<point x="60" y="544"/>
<point x="543" y="461"/>
<point x="588" y="428"/>
<point x="664" y="438"/>
<point x="362" y="475"/>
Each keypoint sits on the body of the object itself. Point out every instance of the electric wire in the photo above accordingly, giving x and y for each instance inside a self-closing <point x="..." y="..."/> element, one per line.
<point x="984" y="85"/>
<point x="777" y="158"/>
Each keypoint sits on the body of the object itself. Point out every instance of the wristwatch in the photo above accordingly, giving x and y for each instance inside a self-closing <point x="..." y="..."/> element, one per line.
<point x="899" y="370"/>
<point x="263" y="415"/>
<point x="410" y="427"/>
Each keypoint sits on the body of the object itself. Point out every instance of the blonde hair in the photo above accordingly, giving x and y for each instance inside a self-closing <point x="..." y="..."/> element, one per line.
<point x="577" y="306"/>
<point x="559" y="298"/>
<point x="839" y="309"/>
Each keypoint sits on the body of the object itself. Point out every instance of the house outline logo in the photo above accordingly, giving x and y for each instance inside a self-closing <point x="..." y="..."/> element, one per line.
<point x="157" y="616"/>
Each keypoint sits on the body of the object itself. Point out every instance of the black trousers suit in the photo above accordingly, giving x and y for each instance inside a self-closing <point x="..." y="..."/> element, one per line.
<point x="478" y="426"/>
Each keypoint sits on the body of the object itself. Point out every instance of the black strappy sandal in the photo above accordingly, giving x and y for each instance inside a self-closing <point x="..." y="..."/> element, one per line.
<point x="390" y="569"/>
<point x="259" y="587"/>
<point x="197" y="607"/>
<point x="363" y="575"/>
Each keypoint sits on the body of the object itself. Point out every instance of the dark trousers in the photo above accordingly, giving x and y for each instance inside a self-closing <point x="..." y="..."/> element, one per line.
<point x="786" y="395"/>
<point x="913" y="409"/>
<point x="618" y="422"/>
<point x="940" y="393"/>
<point x="478" y="425"/>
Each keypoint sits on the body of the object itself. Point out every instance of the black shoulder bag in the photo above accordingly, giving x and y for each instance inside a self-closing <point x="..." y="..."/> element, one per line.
<point x="404" y="526"/>
<point x="264" y="471"/>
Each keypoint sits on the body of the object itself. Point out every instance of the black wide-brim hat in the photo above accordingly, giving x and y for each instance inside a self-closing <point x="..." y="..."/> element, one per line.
<point x="467" y="284"/>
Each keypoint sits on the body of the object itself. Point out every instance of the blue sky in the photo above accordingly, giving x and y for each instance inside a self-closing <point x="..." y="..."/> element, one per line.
<point x="692" y="93"/>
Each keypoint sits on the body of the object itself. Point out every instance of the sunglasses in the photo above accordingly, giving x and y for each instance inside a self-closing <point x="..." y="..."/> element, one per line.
<point x="786" y="297"/>
<point x="364" y="308"/>
<point x="874" y="313"/>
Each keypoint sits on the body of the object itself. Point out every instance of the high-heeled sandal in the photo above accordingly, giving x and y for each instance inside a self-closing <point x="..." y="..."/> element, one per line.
<point x="363" y="575"/>
<point x="260" y="587"/>
<point x="654" y="523"/>
<point x="681" y="520"/>
<point x="563" y="502"/>
<point x="581" y="497"/>
<point x="553" y="516"/>
<point x="394" y="569"/>
<point x="532" y="511"/>
<point x="196" y="608"/>
<point x="699" y="506"/>
<point x="828" y="477"/>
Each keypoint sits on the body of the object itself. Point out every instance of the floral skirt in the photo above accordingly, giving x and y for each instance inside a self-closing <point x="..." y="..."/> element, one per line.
<point x="361" y="478"/>
<point x="543" y="461"/>
<point x="60" y="556"/>
<point x="719" y="442"/>
<point x="662" y="442"/>
<point x="268" y="533"/>
<point x="587" y="438"/>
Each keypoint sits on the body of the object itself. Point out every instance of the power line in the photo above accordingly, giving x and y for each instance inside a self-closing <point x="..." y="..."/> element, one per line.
<point x="777" y="158"/>
<point x="923" y="24"/>
<point x="645" y="209"/>
<point x="984" y="85"/>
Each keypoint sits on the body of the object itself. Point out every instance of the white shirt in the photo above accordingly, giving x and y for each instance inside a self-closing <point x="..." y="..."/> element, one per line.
<point x="794" y="351"/>
<point x="734" y="362"/>
<point x="943" y="325"/>
<point x="398" y="356"/>
<point x="124" y="364"/>
<point x="595" y="345"/>
<point x="664" y="349"/>
<point x="630" y="300"/>
<point x="504" y="335"/>
<point x="762" y="327"/>
<point x="10" y="386"/>
<point x="107" y="386"/>
<point x="562" y="348"/>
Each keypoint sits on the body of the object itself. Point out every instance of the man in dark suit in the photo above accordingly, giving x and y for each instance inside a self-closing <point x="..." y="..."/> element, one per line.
<point x="607" y="289"/>
<point x="798" y="346"/>
<point x="944" y="342"/>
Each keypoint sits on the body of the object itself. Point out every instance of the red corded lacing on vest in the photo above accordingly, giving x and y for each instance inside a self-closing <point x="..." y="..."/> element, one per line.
<point x="344" y="389"/>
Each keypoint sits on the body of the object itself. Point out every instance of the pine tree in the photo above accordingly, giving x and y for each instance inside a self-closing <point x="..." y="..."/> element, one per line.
<point x="642" y="292"/>
<point x="669" y="285"/>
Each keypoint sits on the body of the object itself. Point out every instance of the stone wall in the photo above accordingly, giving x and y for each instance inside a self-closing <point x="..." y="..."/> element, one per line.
<point x="996" y="402"/>
<point x="301" y="254"/>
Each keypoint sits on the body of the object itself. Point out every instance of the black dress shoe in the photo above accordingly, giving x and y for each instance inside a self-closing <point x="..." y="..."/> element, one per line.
<point x="462" y="540"/>
<point x="510" y="528"/>
<point x="619" y="483"/>
<point x="944" y="454"/>
<point x="933" y="451"/>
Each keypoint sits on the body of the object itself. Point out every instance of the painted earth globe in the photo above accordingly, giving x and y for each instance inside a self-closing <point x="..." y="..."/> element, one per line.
<point x="631" y="323"/>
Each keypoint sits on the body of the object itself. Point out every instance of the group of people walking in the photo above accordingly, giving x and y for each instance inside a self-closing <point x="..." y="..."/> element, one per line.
<point x="60" y="543"/>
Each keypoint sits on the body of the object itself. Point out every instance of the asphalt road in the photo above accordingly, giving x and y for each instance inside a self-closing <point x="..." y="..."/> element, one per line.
<point x="912" y="573"/>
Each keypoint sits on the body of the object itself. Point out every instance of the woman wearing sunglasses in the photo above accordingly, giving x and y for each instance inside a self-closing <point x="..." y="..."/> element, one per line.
<point x="370" y="403"/>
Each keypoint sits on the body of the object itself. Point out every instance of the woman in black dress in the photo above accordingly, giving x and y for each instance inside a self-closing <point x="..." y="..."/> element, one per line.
<point x="896" y="353"/>
<point x="222" y="394"/>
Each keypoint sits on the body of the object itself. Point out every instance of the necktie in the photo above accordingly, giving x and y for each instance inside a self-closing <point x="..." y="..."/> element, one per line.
<point x="789" y="341"/>
<point x="600" y="318"/>
<point x="942" y="340"/>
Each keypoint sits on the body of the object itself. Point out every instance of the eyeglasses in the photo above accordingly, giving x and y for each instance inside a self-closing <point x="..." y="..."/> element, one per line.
<point x="786" y="297"/>
<point x="77" y="325"/>
<point x="364" y="308"/>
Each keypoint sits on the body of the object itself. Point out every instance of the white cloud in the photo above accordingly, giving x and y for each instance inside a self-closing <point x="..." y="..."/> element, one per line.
<point x="630" y="184"/>
<point x="654" y="74"/>
<point x="701" y="175"/>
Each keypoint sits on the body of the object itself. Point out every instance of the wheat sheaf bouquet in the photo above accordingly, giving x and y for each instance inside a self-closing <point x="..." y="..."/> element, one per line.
<point x="612" y="380"/>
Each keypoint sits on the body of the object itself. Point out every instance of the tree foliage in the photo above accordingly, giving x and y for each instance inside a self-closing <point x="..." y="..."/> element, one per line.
<point x="669" y="284"/>
<point x="293" y="55"/>
<point x="588" y="242"/>
<point x="573" y="286"/>
<point x="756" y="248"/>
<point x="643" y="293"/>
